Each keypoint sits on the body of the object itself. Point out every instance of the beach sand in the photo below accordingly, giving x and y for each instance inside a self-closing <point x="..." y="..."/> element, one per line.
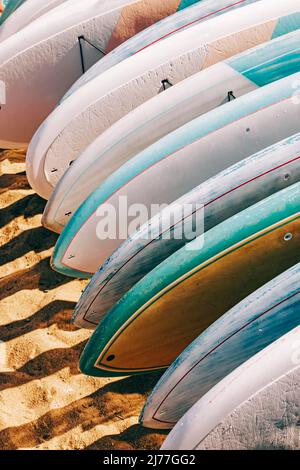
<point x="45" y="402"/>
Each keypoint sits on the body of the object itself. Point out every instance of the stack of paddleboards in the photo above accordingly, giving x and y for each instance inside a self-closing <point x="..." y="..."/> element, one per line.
<point x="165" y="137"/>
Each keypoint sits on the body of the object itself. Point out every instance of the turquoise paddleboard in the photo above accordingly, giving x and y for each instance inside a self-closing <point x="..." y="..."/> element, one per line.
<point x="251" y="326"/>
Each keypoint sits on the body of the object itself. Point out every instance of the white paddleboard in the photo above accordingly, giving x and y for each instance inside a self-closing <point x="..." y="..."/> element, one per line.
<point x="177" y="105"/>
<point x="201" y="11"/>
<point x="279" y="362"/>
<point x="102" y="101"/>
<point x="8" y="7"/>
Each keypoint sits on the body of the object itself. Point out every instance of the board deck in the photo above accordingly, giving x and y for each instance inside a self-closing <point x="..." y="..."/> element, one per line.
<point x="248" y="328"/>
<point x="10" y="7"/>
<point x="179" y="104"/>
<point x="25" y="14"/>
<point x="171" y="25"/>
<point x="78" y="120"/>
<point x="222" y="196"/>
<point x="173" y="166"/>
<point x="194" y="287"/>
<point x="244" y="386"/>
<point x="51" y="54"/>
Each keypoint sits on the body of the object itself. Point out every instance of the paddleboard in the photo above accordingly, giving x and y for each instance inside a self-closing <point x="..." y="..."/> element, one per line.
<point x="164" y="312"/>
<point x="207" y="205"/>
<point x="51" y="53"/>
<point x="170" y="168"/>
<point x="270" y="372"/>
<point x="178" y="105"/>
<point x="103" y="101"/>
<point x="163" y="29"/>
<point x="25" y="14"/>
<point x="9" y="7"/>
<point x="267" y="421"/>
<point x="248" y="328"/>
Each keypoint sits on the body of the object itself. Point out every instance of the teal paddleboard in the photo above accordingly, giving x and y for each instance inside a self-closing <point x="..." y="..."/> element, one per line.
<point x="164" y="312"/>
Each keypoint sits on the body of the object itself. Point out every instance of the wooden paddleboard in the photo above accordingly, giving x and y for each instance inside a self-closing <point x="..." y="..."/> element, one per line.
<point x="170" y="168"/>
<point x="185" y="101"/>
<point x="273" y="371"/>
<point x="194" y="287"/>
<point x="104" y="100"/>
<point x="248" y="328"/>
<point x="222" y="196"/>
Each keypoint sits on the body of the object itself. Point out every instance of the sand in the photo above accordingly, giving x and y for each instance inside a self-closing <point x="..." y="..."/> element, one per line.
<point x="45" y="402"/>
